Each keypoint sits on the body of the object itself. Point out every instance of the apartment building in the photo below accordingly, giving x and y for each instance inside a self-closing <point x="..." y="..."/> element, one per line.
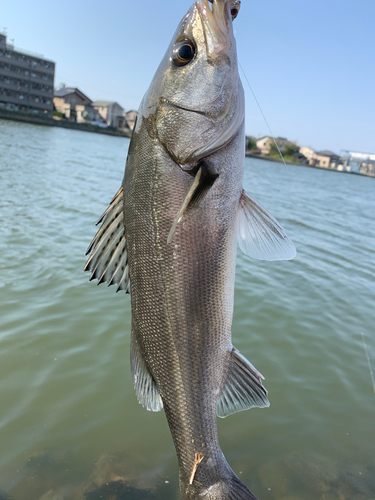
<point x="26" y="80"/>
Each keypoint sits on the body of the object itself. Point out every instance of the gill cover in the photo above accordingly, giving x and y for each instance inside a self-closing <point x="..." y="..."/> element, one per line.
<point x="195" y="103"/>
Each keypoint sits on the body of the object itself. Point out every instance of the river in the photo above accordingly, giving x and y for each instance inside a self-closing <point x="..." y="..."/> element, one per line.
<point x="70" y="425"/>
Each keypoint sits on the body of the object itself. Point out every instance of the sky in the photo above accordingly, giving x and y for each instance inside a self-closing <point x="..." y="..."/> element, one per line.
<point x="310" y="64"/>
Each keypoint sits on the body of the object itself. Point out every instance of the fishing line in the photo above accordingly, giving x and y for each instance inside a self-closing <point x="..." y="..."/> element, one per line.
<point x="369" y="362"/>
<point x="264" y="118"/>
<point x="296" y="189"/>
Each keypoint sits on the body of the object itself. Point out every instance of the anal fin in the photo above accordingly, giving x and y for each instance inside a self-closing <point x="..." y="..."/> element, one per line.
<point x="145" y="387"/>
<point x="242" y="388"/>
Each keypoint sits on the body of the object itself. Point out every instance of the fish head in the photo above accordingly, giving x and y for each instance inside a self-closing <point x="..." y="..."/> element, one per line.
<point x="195" y="103"/>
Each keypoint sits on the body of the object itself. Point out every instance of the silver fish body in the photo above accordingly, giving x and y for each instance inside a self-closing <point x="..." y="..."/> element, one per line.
<point x="170" y="235"/>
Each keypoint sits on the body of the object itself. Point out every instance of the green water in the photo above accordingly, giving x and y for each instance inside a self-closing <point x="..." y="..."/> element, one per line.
<point x="70" y="425"/>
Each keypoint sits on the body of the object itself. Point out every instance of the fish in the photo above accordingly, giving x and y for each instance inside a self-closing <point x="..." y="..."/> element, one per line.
<point x="169" y="238"/>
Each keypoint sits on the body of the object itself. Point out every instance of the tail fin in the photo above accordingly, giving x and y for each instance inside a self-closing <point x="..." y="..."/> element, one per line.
<point x="216" y="484"/>
<point x="239" y="491"/>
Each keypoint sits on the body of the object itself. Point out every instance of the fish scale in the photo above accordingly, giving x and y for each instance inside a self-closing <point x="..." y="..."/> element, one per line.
<point x="174" y="247"/>
<point x="191" y="295"/>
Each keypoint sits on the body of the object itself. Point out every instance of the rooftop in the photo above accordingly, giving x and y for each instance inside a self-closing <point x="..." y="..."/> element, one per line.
<point x="64" y="91"/>
<point x="326" y="152"/>
<point x="10" y="46"/>
<point x="105" y="103"/>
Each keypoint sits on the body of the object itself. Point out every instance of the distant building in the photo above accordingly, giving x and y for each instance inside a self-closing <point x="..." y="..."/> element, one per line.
<point x="26" y="80"/>
<point x="111" y="112"/>
<point x="307" y="152"/>
<point x="264" y="144"/>
<point x="130" y="117"/>
<point x="75" y="105"/>
<point x="325" y="159"/>
<point x="72" y="96"/>
<point x="360" y="162"/>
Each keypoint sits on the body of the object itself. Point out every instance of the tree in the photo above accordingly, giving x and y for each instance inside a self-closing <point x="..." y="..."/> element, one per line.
<point x="250" y="144"/>
<point x="290" y="148"/>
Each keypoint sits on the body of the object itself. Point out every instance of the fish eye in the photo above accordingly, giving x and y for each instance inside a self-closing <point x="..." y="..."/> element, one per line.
<point x="183" y="53"/>
<point x="235" y="8"/>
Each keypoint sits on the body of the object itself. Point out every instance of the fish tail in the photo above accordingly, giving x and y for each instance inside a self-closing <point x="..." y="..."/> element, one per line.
<point x="225" y="486"/>
<point x="238" y="491"/>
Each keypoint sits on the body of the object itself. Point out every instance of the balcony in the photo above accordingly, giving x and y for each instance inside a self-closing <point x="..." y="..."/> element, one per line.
<point x="26" y="102"/>
<point x="16" y="73"/>
<point x="26" y="64"/>
<point x="25" y="59"/>
<point x="43" y="93"/>
<point x="26" y="90"/>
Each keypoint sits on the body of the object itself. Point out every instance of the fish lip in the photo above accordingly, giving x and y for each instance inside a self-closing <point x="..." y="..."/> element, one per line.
<point x="217" y="25"/>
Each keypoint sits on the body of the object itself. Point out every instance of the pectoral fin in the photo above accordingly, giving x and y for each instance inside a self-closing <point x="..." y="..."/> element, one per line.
<point x="145" y="386"/>
<point x="259" y="235"/>
<point x="108" y="261"/>
<point x="243" y="387"/>
<point x="202" y="181"/>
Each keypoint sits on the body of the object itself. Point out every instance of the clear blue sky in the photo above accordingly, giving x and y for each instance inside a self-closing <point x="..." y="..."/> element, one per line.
<point x="311" y="64"/>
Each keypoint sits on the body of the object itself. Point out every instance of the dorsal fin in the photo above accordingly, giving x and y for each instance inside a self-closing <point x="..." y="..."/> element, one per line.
<point x="108" y="261"/>
<point x="243" y="387"/>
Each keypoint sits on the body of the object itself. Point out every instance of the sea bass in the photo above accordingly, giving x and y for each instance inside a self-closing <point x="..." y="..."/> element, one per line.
<point x="169" y="238"/>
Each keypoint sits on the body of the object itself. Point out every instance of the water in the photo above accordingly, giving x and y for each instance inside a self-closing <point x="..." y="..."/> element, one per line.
<point x="70" y="425"/>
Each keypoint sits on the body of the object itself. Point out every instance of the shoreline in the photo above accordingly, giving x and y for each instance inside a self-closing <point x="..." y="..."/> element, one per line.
<point x="51" y="122"/>
<point x="276" y="160"/>
<point x="86" y="127"/>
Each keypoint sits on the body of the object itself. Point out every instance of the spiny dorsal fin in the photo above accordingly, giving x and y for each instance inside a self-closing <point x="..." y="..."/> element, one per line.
<point x="108" y="261"/>
<point x="145" y="387"/>
<point x="259" y="235"/>
<point x="243" y="387"/>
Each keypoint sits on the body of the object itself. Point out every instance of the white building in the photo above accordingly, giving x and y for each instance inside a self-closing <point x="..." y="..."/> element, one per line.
<point x="307" y="152"/>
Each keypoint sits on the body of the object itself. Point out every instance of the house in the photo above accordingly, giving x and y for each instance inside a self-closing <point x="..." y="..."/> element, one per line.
<point x="75" y="105"/>
<point x="307" y="152"/>
<point x="265" y="144"/>
<point x="111" y="112"/>
<point x="325" y="159"/>
<point x="130" y="117"/>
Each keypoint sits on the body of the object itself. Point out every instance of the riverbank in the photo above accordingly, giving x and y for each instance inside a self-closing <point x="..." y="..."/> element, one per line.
<point x="276" y="160"/>
<point x="51" y="122"/>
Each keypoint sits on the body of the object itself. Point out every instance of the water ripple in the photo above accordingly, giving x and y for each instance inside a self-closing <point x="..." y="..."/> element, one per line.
<point x="64" y="342"/>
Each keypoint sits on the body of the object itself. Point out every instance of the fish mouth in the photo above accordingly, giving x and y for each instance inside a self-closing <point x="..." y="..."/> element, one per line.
<point x="217" y="25"/>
